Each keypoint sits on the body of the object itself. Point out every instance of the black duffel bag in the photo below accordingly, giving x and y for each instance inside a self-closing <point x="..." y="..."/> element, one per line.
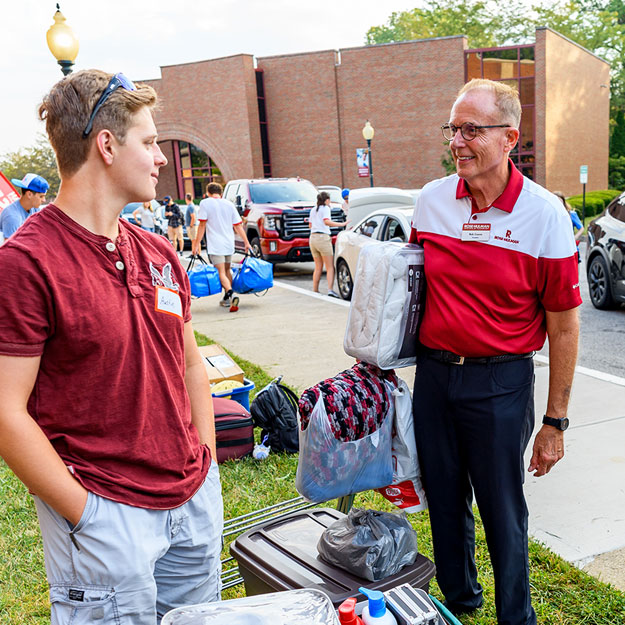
<point x="274" y="409"/>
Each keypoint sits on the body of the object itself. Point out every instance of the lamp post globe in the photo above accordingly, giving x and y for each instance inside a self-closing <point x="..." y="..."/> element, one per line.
<point x="367" y="132"/>
<point x="62" y="42"/>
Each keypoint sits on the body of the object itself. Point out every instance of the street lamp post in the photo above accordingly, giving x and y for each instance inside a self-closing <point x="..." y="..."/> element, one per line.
<point x="367" y="133"/>
<point x="62" y="42"/>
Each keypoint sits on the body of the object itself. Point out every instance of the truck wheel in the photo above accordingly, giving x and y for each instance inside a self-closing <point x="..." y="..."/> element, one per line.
<point x="255" y="245"/>
<point x="599" y="284"/>
<point x="344" y="280"/>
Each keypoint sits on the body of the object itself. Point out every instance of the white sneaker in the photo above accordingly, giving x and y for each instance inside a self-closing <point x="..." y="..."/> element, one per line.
<point x="332" y="293"/>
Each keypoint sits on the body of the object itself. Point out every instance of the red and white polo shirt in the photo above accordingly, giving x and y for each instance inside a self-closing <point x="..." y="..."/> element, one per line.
<point x="492" y="274"/>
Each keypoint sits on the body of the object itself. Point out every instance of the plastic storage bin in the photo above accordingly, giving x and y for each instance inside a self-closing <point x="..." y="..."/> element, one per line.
<point x="241" y="395"/>
<point x="282" y="555"/>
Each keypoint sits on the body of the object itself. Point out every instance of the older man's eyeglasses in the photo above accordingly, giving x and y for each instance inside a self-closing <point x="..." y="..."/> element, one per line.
<point x="467" y="130"/>
<point x="119" y="80"/>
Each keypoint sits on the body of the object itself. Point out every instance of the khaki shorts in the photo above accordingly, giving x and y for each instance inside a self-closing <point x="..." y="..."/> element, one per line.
<point x="216" y="259"/>
<point x="321" y="245"/>
<point x="174" y="233"/>
<point x="192" y="232"/>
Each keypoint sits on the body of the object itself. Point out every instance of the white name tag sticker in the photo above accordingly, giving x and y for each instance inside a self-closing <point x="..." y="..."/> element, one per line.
<point x="475" y="232"/>
<point x="168" y="301"/>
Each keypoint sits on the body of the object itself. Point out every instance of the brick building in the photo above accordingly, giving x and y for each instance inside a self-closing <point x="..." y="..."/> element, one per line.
<point x="303" y="114"/>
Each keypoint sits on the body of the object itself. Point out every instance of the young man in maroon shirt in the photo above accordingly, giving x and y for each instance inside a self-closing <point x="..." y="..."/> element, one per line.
<point x="106" y="414"/>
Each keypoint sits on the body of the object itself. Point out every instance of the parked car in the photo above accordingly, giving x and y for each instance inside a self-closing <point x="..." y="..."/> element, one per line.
<point x="333" y="191"/>
<point x="605" y="256"/>
<point x="367" y="200"/>
<point x="390" y="224"/>
<point x="276" y="212"/>
<point x="160" y="224"/>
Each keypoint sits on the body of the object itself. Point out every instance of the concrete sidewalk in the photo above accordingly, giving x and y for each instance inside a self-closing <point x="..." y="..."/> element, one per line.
<point x="578" y="510"/>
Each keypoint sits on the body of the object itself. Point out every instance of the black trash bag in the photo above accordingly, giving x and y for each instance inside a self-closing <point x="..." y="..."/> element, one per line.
<point x="369" y="543"/>
<point x="274" y="409"/>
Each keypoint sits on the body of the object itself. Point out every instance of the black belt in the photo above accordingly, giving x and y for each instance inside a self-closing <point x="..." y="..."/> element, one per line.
<point x="454" y="359"/>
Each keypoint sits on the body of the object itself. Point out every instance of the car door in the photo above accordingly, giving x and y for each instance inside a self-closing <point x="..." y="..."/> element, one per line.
<point x="615" y="247"/>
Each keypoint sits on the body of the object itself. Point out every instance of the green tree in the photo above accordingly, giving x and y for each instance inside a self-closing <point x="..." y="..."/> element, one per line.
<point x="38" y="158"/>
<point x="617" y="141"/>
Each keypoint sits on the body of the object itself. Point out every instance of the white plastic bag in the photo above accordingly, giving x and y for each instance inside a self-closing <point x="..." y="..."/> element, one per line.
<point x="406" y="490"/>
<point x="328" y="468"/>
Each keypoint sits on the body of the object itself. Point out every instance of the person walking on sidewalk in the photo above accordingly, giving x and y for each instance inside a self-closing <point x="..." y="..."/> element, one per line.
<point x="501" y="276"/>
<point x="321" y="241"/>
<point x="219" y="219"/>
<point x="174" y="224"/>
<point x="122" y="466"/>
<point x="191" y="220"/>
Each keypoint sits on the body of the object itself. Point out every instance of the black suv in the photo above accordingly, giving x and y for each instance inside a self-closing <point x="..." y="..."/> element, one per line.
<point x="605" y="256"/>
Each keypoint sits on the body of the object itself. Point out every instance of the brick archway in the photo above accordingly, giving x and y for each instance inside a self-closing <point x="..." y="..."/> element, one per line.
<point x="178" y="131"/>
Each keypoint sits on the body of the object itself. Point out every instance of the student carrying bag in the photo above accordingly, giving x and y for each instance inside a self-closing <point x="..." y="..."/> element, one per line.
<point x="204" y="278"/>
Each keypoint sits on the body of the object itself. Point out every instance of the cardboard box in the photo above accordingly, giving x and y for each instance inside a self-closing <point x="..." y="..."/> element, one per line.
<point x="219" y="365"/>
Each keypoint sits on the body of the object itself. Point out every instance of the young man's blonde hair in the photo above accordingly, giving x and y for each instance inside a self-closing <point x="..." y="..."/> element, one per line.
<point x="67" y="107"/>
<point x="506" y="98"/>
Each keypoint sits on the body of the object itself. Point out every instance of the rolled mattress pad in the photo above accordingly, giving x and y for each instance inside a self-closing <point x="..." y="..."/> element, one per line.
<point x="386" y="305"/>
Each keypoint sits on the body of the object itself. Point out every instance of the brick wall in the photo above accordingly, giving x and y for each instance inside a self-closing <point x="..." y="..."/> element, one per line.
<point x="212" y="104"/>
<point x="576" y="113"/>
<point x="406" y="90"/>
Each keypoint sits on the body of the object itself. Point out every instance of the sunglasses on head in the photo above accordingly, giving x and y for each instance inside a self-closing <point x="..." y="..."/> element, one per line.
<point x="119" y="80"/>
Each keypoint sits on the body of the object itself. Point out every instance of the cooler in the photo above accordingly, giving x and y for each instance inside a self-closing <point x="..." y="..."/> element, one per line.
<point x="282" y="555"/>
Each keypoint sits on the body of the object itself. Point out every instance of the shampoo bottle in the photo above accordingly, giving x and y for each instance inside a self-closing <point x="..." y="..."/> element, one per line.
<point x="375" y="612"/>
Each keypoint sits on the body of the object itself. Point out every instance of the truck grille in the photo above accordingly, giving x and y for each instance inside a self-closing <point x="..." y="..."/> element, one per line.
<point x="294" y="223"/>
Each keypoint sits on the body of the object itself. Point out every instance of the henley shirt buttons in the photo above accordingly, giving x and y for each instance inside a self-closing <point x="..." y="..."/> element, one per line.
<point x="474" y="217"/>
<point x="119" y="265"/>
<point x="110" y="246"/>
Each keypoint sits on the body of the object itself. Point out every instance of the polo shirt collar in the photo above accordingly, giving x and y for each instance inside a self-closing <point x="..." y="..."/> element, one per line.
<point x="507" y="199"/>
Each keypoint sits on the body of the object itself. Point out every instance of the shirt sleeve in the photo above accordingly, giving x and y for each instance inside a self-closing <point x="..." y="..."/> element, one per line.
<point x="10" y="224"/>
<point x="236" y="218"/>
<point x="27" y="313"/>
<point x="202" y="212"/>
<point x="558" y="272"/>
<point x="577" y="222"/>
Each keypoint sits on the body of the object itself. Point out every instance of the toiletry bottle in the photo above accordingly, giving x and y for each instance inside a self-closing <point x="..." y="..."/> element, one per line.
<point x="347" y="615"/>
<point x="375" y="612"/>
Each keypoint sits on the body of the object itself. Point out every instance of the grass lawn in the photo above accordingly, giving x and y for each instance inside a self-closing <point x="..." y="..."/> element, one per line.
<point x="562" y="594"/>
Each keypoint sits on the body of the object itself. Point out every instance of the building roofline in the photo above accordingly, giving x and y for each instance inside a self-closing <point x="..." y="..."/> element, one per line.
<point x="372" y="45"/>
<point x="555" y="32"/>
<point x="219" y="58"/>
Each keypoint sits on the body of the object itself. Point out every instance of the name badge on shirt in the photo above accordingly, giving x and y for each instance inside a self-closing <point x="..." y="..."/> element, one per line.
<point x="475" y="232"/>
<point x="168" y="301"/>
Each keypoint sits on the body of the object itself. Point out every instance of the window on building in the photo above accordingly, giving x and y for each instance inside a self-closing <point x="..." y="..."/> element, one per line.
<point x="193" y="168"/>
<point x="514" y="66"/>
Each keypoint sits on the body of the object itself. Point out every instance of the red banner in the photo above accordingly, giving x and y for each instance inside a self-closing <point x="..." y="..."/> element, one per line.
<point x="8" y="194"/>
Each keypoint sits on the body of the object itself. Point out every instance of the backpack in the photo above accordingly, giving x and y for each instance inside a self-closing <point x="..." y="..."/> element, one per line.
<point x="274" y="409"/>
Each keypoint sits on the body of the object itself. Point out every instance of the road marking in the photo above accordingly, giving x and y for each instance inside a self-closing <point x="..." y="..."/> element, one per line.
<point x="325" y="298"/>
<point x="592" y="373"/>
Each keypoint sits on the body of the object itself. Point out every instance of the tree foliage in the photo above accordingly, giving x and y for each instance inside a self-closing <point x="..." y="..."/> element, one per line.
<point x="598" y="25"/>
<point x="38" y="159"/>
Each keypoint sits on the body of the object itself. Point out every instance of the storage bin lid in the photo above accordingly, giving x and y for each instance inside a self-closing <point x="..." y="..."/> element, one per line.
<point x="283" y="553"/>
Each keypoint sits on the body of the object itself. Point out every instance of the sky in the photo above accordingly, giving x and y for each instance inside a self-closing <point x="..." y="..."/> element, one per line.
<point x="137" y="37"/>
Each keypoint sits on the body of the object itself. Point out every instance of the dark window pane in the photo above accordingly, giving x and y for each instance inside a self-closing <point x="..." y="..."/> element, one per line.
<point x="499" y="69"/>
<point x="527" y="158"/>
<point x="527" y="91"/>
<point x="617" y="209"/>
<point x="509" y="54"/>
<point x="527" y="53"/>
<point x="528" y="172"/>
<point x="527" y="130"/>
<point x="262" y="115"/>
<point x="371" y="227"/>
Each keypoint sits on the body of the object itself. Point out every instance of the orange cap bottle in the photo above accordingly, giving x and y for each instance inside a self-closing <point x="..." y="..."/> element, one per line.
<point x="347" y="614"/>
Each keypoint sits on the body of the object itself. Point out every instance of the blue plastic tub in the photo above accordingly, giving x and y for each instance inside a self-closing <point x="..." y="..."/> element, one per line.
<point x="242" y="394"/>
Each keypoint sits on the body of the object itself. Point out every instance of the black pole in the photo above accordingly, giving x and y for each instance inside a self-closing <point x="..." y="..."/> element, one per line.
<point x="370" y="163"/>
<point x="583" y="203"/>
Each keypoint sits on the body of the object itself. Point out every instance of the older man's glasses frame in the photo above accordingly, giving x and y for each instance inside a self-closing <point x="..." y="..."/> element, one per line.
<point x="467" y="130"/>
<point x="119" y="80"/>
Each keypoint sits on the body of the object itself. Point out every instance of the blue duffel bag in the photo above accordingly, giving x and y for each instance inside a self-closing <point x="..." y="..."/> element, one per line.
<point x="204" y="278"/>
<point x="253" y="276"/>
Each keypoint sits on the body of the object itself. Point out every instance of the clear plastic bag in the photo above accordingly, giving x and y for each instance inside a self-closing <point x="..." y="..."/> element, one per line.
<point x="370" y="543"/>
<point x="328" y="468"/>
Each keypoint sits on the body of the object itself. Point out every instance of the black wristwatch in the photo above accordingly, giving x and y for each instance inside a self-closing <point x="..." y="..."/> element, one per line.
<point x="559" y="424"/>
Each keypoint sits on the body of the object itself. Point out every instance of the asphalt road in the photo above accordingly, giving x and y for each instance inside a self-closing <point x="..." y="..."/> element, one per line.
<point x="602" y="340"/>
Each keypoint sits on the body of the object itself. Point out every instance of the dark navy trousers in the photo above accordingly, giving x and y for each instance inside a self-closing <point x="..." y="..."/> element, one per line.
<point x="472" y="425"/>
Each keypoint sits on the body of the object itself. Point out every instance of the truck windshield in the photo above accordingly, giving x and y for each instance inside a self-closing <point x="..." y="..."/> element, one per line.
<point x="270" y="192"/>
